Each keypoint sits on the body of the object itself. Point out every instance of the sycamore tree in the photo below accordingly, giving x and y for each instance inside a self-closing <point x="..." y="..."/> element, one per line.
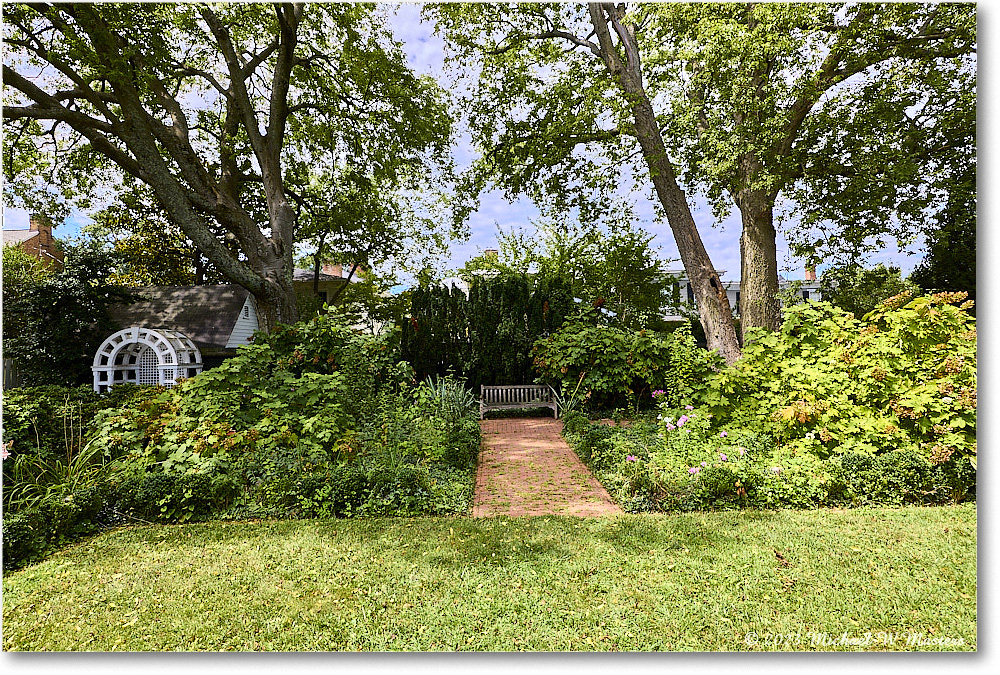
<point x="560" y="111"/>
<point x="233" y="115"/>
<point x="855" y="119"/>
<point x="854" y="116"/>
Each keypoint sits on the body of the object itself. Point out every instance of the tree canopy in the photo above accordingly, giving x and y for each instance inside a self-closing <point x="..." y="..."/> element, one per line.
<point x="560" y="110"/>
<point x="851" y="116"/>
<point x="950" y="264"/>
<point x="859" y="290"/>
<point x="616" y="268"/>
<point x="240" y="118"/>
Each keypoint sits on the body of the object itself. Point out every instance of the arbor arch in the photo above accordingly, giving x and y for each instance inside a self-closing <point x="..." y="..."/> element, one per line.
<point x="145" y="356"/>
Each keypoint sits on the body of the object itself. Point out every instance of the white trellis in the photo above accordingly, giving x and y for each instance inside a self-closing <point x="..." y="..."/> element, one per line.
<point x="145" y="356"/>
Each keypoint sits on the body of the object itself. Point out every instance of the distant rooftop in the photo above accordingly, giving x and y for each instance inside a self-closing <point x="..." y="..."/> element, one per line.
<point x="17" y="236"/>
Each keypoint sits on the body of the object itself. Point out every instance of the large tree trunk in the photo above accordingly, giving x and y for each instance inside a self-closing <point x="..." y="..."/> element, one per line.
<point x="710" y="295"/>
<point x="759" y="307"/>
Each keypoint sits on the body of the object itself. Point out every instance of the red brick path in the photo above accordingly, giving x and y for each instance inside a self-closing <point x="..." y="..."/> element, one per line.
<point x="527" y="469"/>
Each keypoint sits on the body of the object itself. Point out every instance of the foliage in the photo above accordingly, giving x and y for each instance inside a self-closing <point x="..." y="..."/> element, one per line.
<point x="606" y="364"/>
<point x="752" y="102"/>
<point x="30" y="479"/>
<point x="950" y="264"/>
<point x="617" y="268"/>
<point x="562" y="110"/>
<point x="253" y="116"/>
<point x="858" y="290"/>
<point x="830" y="411"/>
<point x="36" y="420"/>
<point x="47" y="432"/>
<point x="370" y="303"/>
<point x="149" y="249"/>
<point x="903" y="378"/>
<point x="683" y="463"/>
<point x="315" y="419"/>
<point x="54" y="325"/>
<point x="485" y="338"/>
<point x="789" y="103"/>
<point x="21" y="271"/>
<point x="31" y="533"/>
<point x="284" y="417"/>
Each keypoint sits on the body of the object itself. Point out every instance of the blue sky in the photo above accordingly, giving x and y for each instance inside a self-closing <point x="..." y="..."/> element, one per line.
<point x="426" y="55"/>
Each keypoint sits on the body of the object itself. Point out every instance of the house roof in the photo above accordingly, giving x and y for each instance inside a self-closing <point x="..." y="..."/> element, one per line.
<point x="205" y="314"/>
<point x="17" y="236"/>
<point x="307" y="275"/>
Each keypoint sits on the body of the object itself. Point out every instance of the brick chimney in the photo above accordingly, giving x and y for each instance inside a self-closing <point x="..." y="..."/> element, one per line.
<point x="43" y="246"/>
<point x="810" y="274"/>
<point x="333" y="270"/>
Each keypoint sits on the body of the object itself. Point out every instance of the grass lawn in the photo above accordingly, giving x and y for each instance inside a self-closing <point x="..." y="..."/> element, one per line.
<point x="650" y="582"/>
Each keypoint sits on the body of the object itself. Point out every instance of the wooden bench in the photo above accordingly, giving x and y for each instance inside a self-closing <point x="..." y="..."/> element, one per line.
<point x="512" y="396"/>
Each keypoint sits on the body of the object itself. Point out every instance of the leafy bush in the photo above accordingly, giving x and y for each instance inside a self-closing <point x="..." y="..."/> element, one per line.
<point x="47" y="421"/>
<point x="32" y="532"/>
<point x="169" y="497"/>
<point x="575" y="423"/>
<point x="484" y="338"/>
<point x="53" y="323"/>
<point x="608" y="366"/>
<point x="828" y="384"/>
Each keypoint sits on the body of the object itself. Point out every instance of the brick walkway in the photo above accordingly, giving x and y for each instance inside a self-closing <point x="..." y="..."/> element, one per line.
<point x="527" y="469"/>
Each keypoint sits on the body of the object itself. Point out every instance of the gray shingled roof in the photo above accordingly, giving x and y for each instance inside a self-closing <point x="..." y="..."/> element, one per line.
<point x="206" y="314"/>
<point x="17" y="236"/>
<point x="307" y="275"/>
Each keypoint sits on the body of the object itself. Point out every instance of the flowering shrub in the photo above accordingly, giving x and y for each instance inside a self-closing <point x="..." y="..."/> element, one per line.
<point x="903" y="378"/>
<point x="828" y="411"/>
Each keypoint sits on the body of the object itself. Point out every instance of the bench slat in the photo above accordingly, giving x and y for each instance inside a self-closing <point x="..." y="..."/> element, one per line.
<point x="497" y="397"/>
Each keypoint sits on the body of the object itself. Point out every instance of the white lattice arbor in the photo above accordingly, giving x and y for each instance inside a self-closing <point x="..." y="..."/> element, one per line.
<point x="145" y="356"/>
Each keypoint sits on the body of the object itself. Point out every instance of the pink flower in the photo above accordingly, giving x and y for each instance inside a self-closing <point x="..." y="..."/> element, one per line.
<point x="682" y="420"/>
<point x="743" y="451"/>
<point x="722" y="456"/>
<point x="723" y="434"/>
<point x="5" y="454"/>
<point x="704" y="463"/>
<point x="631" y="458"/>
<point x="689" y="407"/>
<point x="670" y="427"/>
<point x="694" y="469"/>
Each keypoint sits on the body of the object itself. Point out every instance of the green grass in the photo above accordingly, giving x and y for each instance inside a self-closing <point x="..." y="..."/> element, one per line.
<point x="698" y="581"/>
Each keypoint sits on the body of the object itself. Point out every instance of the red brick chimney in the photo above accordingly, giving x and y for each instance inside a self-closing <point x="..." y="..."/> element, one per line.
<point x="333" y="270"/>
<point x="810" y="274"/>
<point x="43" y="246"/>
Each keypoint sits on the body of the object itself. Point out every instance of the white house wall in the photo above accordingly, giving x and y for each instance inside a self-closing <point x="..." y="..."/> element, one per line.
<point x="245" y="325"/>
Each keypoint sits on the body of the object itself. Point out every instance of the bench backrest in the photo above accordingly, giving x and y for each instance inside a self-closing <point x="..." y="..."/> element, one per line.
<point x="516" y="393"/>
